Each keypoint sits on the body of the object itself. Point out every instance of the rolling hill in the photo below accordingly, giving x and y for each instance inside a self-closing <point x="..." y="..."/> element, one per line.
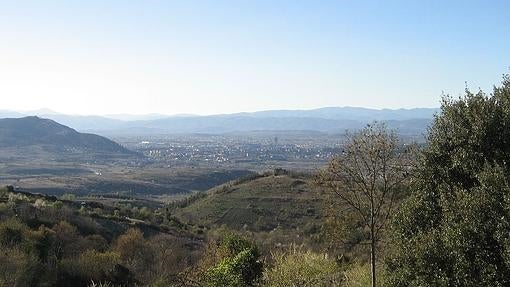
<point x="37" y="138"/>
<point x="274" y="208"/>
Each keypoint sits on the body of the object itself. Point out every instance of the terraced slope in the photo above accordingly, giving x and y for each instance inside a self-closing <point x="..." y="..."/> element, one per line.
<point x="273" y="208"/>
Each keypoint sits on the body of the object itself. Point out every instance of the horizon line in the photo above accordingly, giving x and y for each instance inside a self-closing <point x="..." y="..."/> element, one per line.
<point x="49" y="111"/>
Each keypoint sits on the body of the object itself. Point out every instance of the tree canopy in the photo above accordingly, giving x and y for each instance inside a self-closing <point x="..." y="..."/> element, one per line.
<point x="454" y="229"/>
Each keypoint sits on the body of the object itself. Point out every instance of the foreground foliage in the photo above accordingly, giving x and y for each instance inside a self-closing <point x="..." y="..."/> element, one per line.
<point x="454" y="230"/>
<point x="239" y="263"/>
<point x="297" y="267"/>
<point x="46" y="243"/>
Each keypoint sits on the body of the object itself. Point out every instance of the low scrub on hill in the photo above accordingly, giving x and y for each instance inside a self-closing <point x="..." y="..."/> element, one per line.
<point x="51" y="243"/>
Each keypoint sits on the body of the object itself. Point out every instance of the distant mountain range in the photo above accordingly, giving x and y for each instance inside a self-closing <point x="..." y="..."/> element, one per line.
<point x="32" y="137"/>
<point x="330" y="120"/>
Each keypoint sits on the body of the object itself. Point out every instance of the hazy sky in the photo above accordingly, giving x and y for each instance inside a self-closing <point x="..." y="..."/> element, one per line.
<point x="206" y="57"/>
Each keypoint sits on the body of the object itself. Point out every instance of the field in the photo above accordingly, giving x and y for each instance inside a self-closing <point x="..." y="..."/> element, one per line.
<point x="112" y="180"/>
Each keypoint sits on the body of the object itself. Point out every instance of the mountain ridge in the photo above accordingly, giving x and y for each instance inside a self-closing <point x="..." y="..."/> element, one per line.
<point x="327" y="119"/>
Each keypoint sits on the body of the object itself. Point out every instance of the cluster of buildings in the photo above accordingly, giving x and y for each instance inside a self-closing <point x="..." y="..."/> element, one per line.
<point x="218" y="150"/>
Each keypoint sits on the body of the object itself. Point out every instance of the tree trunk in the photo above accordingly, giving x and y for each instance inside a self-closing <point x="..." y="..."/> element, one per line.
<point x="372" y="261"/>
<point x="372" y="243"/>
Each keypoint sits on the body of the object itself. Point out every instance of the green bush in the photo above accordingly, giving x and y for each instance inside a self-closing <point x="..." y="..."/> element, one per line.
<point x="239" y="263"/>
<point x="226" y="274"/>
<point x="233" y="244"/>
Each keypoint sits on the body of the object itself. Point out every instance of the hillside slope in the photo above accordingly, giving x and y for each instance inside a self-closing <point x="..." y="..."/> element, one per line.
<point x="35" y="137"/>
<point x="275" y="209"/>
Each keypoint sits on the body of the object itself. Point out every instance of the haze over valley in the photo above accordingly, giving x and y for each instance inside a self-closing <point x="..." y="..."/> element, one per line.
<point x="329" y="120"/>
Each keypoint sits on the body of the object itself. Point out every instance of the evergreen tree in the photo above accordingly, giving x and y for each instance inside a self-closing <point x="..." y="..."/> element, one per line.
<point x="454" y="230"/>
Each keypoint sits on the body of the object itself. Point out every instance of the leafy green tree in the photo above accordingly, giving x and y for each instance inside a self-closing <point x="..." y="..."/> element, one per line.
<point x="455" y="228"/>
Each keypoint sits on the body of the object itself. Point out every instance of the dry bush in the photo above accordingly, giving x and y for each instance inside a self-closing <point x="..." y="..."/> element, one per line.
<point x="299" y="267"/>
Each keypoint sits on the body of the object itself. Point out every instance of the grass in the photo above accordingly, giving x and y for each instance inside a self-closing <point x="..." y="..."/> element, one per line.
<point x="298" y="267"/>
<point x="359" y="276"/>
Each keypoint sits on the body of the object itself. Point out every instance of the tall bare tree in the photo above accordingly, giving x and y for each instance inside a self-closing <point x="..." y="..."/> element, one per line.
<point x="366" y="178"/>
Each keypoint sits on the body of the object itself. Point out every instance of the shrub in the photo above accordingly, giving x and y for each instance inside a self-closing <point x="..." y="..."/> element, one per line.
<point x="225" y="274"/>
<point x="12" y="261"/>
<point x="12" y="232"/>
<point x="134" y="251"/>
<point x="297" y="267"/>
<point x="238" y="264"/>
<point x="3" y="192"/>
<point x="17" y="268"/>
<point x="241" y="270"/>
<point x="94" y="266"/>
<point x="39" y="243"/>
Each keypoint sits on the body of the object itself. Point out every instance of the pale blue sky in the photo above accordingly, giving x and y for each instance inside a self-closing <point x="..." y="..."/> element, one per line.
<point x="207" y="57"/>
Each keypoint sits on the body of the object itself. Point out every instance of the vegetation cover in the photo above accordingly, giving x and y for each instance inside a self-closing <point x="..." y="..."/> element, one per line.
<point x="377" y="215"/>
<point x="454" y="229"/>
<point x="50" y="242"/>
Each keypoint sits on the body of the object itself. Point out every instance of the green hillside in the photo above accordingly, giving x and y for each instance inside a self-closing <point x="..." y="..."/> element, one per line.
<point x="274" y="209"/>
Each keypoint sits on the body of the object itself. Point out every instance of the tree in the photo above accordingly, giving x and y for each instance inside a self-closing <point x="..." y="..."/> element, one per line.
<point x="93" y="266"/>
<point x="454" y="230"/>
<point x="67" y="240"/>
<point x="134" y="251"/>
<point x="365" y="179"/>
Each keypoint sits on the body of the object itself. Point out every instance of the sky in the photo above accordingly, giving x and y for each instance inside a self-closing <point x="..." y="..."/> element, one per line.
<point x="209" y="57"/>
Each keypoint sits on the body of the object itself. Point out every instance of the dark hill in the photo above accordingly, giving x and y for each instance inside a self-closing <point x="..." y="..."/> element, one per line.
<point x="33" y="135"/>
